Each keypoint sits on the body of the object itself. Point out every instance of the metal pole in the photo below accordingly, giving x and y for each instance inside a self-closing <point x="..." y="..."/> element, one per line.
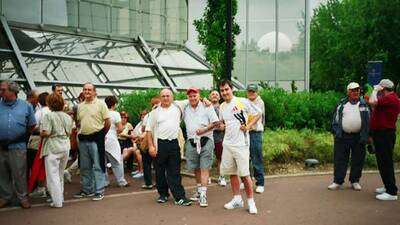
<point x="228" y="50"/>
<point x="307" y="46"/>
<point x="15" y="48"/>
<point x="247" y="43"/>
<point x="276" y="41"/>
<point x="160" y="69"/>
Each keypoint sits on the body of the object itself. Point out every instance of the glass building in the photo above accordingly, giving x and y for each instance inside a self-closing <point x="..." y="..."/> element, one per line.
<point x="119" y="45"/>
<point x="259" y="57"/>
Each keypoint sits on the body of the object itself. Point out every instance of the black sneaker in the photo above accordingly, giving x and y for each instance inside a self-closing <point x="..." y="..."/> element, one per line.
<point x="183" y="202"/>
<point x="162" y="199"/>
<point x="83" y="194"/>
<point x="98" y="197"/>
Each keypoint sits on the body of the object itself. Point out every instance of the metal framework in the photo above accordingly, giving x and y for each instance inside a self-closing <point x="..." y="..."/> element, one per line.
<point x="148" y="53"/>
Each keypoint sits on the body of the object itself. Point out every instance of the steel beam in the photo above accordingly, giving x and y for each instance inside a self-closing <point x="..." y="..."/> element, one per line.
<point x="17" y="53"/>
<point x="160" y="69"/>
<point x="80" y="84"/>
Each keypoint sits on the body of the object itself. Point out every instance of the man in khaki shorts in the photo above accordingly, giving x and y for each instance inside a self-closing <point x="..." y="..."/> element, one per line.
<point x="200" y="121"/>
<point x="236" y="155"/>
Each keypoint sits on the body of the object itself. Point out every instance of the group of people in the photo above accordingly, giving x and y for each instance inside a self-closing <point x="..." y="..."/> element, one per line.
<point x="46" y="125"/>
<point x="230" y="128"/>
<point x="360" y="124"/>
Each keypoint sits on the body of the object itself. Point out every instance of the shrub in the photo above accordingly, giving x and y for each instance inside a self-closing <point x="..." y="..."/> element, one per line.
<point x="283" y="109"/>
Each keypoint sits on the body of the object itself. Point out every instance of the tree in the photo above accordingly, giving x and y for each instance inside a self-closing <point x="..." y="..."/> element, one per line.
<point x="211" y="28"/>
<point x="346" y="34"/>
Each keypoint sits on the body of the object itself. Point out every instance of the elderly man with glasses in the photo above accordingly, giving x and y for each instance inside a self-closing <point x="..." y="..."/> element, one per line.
<point x="350" y="129"/>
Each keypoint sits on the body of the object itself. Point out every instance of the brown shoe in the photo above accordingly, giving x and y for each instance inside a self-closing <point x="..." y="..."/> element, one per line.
<point x="25" y="204"/>
<point x="3" y="203"/>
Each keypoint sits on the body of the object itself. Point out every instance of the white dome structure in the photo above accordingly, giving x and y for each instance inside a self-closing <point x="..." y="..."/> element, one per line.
<point x="267" y="42"/>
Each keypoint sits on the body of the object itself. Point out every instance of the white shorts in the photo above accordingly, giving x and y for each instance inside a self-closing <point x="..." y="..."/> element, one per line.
<point x="235" y="160"/>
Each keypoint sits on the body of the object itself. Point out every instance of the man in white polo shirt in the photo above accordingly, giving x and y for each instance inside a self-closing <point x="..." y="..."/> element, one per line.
<point x="200" y="121"/>
<point x="236" y="155"/>
<point x="350" y="128"/>
<point x="162" y="135"/>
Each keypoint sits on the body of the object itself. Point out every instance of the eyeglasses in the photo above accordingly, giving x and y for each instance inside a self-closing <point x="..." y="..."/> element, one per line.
<point x="355" y="90"/>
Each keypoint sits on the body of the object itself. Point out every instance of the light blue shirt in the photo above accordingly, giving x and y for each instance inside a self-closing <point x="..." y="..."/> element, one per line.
<point x="199" y="117"/>
<point x="15" y="118"/>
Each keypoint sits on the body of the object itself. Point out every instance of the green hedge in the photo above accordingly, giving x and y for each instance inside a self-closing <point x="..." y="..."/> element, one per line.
<point x="282" y="146"/>
<point x="283" y="109"/>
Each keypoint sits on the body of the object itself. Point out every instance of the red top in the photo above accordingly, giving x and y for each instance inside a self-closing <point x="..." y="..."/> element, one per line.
<point x="384" y="116"/>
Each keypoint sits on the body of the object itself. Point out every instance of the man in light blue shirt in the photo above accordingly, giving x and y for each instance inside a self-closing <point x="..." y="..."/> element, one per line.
<point x="199" y="147"/>
<point x="17" y="120"/>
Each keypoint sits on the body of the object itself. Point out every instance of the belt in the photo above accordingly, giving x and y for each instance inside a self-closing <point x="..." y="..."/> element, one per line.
<point x="167" y="140"/>
<point x="255" y="131"/>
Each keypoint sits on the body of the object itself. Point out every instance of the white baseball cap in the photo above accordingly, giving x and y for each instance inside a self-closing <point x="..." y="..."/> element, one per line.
<point x="353" y="85"/>
<point x="386" y="83"/>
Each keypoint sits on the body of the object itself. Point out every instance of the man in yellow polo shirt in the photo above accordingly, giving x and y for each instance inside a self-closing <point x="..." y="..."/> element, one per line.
<point x="94" y="123"/>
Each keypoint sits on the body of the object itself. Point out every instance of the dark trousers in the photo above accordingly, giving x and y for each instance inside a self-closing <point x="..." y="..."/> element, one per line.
<point x="147" y="161"/>
<point x="256" y="157"/>
<point x="168" y="168"/>
<point x="343" y="147"/>
<point x="384" y="141"/>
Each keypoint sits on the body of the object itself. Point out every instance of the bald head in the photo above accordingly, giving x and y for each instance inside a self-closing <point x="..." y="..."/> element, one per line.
<point x="166" y="97"/>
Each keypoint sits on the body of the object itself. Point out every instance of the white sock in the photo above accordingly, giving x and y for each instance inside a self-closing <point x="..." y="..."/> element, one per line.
<point x="198" y="188"/>
<point x="203" y="190"/>
<point x="251" y="202"/>
<point x="237" y="198"/>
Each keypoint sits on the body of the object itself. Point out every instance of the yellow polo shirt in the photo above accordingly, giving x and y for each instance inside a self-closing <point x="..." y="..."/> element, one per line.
<point x="91" y="116"/>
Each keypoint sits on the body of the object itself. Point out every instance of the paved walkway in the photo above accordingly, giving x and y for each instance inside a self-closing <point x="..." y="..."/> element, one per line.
<point x="289" y="200"/>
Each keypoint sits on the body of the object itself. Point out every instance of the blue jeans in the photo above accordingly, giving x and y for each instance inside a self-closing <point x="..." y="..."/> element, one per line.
<point x="92" y="176"/>
<point x="256" y="156"/>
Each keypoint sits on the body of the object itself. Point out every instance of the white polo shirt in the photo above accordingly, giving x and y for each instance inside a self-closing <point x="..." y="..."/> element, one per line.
<point x="199" y="117"/>
<point x="168" y="121"/>
<point x="233" y="135"/>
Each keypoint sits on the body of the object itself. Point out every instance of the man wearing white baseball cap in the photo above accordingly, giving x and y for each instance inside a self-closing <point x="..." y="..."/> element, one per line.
<point x="350" y="129"/>
<point x="386" y="108"/>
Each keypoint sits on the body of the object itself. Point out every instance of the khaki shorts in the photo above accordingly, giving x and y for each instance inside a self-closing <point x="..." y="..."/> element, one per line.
<point x="235" y="160"/>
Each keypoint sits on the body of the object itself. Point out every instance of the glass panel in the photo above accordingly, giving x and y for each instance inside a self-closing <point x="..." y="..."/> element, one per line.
<point x="261" y="39"/>
<point x="94" y="17"/>
<point x="22" y="11"/>
<point x="7" y="68"/>
<point x="177" y="58"/>
<point x="120" y="21"/>
<point x="56" y="12"/>
<point x="290" y="59"/>
<point x="200" y="81"/>
<point x="153" y="20"/>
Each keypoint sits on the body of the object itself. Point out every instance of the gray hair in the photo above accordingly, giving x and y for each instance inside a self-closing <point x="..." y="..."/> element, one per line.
<point x="12" y="86"/>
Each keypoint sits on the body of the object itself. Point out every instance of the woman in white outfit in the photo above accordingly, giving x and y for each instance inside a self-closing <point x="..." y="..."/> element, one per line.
<point x="55" y="128"/>
<point x="113" y="149"/>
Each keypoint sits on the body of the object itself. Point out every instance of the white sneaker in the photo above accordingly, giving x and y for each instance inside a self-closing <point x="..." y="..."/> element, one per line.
<point x="334" y="186"/>
<point x="356" y="186"/>
<point x="222" y="181"/>
<point x="241" y="186"/>
<point x="234" y="204"/>
<point x="39" y="192"/>
<point x="203" y="200"/>
<point x="386" y="197"/>
<point x="138" y="175"/>
<point x="260" y="189"/>
<point x="253" y="209"/>
<point x="380" y="190"/>
<point x="67" y="176"/>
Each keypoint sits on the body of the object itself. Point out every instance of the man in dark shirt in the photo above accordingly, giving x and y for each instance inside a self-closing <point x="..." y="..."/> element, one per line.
<point x="386" y="108"/>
